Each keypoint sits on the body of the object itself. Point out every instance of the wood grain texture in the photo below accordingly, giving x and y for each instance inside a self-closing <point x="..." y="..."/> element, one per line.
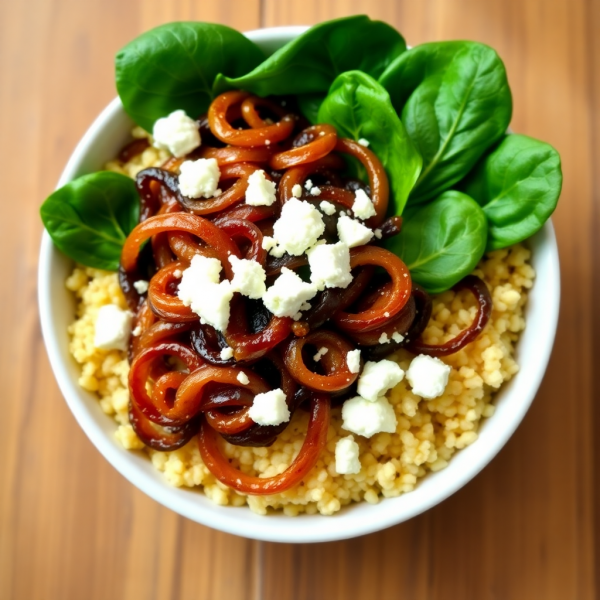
<point x="70" y="527"/>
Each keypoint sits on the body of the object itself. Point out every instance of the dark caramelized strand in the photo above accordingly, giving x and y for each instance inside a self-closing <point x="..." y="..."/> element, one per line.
<point x="391" y="227"/>
<point x="149" y="183"/>
<point x="254" y="214"/>
<point x="232" y="154"/>
<point x="160" y="242"/>
<point x="321" y="140"/>
<point x="250" y="113"/>
<point x="275" y="264"/>
<point x="484" y="310"/>
<point x="314" y="443"/>
<point x="162" y="298"/>
<point x="133" y="149"/>
<point x="241" y="228"/>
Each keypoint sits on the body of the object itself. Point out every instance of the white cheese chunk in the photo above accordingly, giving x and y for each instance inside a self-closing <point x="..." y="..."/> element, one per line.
<point x="176" y="133"/>
<point x="378" y="233"/>
<point x="367" y="418"/>
<point x="141" y="286"/>
<point x="289" y="294"/>
<point x="346" y="456"/>
<point x="379" y="377"/>
<point x="315" y="191"/>
<point x="261" y="191"/>
<point x="363" y="208"/>
<point x="243" y="378"/>
<point x="199" y="178"/>
<point x="248" y="277"/>
<point x="112" y="328"/>
<point x="397" y="337"/>
<point x="268" y="243"/>
<point x="428" y="376"/>
<point x="297" y="190"/>
<point x="298" y="228"/>
<point x="308" y="185"/>
<point x="384" y="339"/>
<point x="363" y="142"/>
<point x="352" y="232"/>
<point x="226" y="353"/>
<point x="353" y="361"/>
<point x="321" y="352"/>
<point x="269" y="408"/>
<point x="330" y="265"/>
<point x="327" y="207"/>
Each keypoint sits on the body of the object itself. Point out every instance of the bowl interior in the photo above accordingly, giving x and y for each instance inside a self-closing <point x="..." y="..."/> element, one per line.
<point x="102" y="142"/>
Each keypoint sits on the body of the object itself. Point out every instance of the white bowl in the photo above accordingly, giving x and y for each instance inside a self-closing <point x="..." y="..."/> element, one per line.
<point x="102" y="142"/>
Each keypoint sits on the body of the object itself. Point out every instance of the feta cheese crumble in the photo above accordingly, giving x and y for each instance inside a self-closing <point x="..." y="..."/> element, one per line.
<point x="320" y="354"/>
<point x="226" y="353"/>
<point x="377" y="378"/>
<point x="248" y="277"/>
<point x="141" y="286"/>
<point x="112" y="328"/>
<point x="352" y="232"/>
<point x="261" y="191"/>
<point x="428" y="376"/>
<point x="176" y="133"/>
<point x="297" y="190"/>
<point x="397" y="337"/>
<point x="367" y="418"/>
<point x="327" y="207"/>
<point x="378" y="233"/>
<point x="363" y="207"/>
<point x="289" y="294"/>
<point x="315" y="191"/>
<point x="384" y="339"/>
<point x="199" y="178"/>
<point x="353" y="361"/>
<point x="330" y="265"/>
<point x="363" y="142"/>
<point x="346" y="456"/>
<point x="308" y="185"/>
<point x="298" y="228"/>
<point x="243" y="378"/>
<point x="269" y="408"/>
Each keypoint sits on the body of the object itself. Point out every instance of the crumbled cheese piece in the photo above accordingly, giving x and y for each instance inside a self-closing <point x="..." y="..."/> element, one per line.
<point x="363" y="207"/>
<point x="353" y="361"/>
<point x="141" y="286"/>
<point x="176" y="133"/>
<point x="297" y="190"/>
<point x="200" y="289"/>
<point x="352" y="232"/>
<point x="320" y="353"/>
<point x="268" y="142"/>
<point x="308" y="184"/>
<point x="261" y="191"/>
<point x="243" y="378"/>
<point x="137" y="331"/>
<point x="364" y="142"/>
<point x="346" y="456"/>
<point x="298" y="228"/>
<point x="327" y="207"/>
<point x="315" y="191"/>
<point x="268" y="243"/>
<point x="330" y="265"/>
<point x="288" y="294"/>
<point x="269" y="408"/>
<point x="367" y="418"/>
<point x="226" y="353"/>
<point x="199" y="178"/>
<point x="384" y="339"/>
<point x="177" y="273"/>
<point x="113" y="328"/>
<point x="397" y="337"/>
<point x="248" y="277"/>
<point x="378" y="233"/>
<point x="377" y="378"/>
<point x="428" y="376"/>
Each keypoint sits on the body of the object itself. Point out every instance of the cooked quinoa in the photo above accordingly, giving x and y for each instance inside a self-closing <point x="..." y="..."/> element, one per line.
<point x="429" y="432"/>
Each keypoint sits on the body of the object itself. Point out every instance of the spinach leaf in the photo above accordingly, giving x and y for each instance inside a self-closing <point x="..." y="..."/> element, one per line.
<point x="517" y="185"/>
<point x="309" y="105"/>
<point x="359" y="107"/>
<point x="90" y="217"/>
<point x="309" y="63"/>
<point x="174" y="66"/>
<point x="455" y="103"/>
<point x="442" y="241"/>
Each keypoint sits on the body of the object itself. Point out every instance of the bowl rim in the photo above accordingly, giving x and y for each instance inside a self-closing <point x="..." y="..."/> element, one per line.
<point x="279" y="527"/>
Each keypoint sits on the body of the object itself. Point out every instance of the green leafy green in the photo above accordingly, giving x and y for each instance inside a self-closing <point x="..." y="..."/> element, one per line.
<point x="455" y="102"/>
<point x="90" y="217"/>
<point x="309" y="105"/>
<point x="310" y="63"/>
<point x="442" y="241"/>
<point x="174" y="66"/>
<point x="517" y="185"/>
<point x="359" y="107"/>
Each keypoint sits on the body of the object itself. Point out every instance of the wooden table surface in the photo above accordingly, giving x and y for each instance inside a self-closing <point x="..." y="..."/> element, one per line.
<point x="71" y="527"/>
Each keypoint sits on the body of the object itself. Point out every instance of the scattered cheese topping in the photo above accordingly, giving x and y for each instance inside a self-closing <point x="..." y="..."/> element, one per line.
<point x="384" y="339"/>
<point x="137" y="331"/>
<point x="226" y="353"/>
<point x="378" y="233"/>
<point x="363" y="208"/>
<point x="428" y="376"/>
<point x="308" y="184"/>
<point x="364" y="142"/>
<point x="327" y="207"/>
<point x="200" y="289"/>
<point x="261" y="191"/>
<point x="248" y="277"/>
<point x="397" y="337"/>
<point x="243" y="378"/>
<point x="113" y="328"/>
<point x="268" y="243"/>
<point x="177" y="273"/>
<point x="353" y="361"/>
<point x="367" y="418"/>
<point x="176" y="133"/>
<point x="330" y="265"/>
<point x="298" y="228"/>
<point x="352" y="232"/>
<point x="141" y="286"/>
<point x="289" y="294"/>
<point x="346" y="456"/>
<point x="297" y="190"/>
<point x="199" y="178"/>
<point x="315" y="191"/>
<point x="269" y="408"/>
<point x="377" y="378"/>
<point x="320" y="353"/>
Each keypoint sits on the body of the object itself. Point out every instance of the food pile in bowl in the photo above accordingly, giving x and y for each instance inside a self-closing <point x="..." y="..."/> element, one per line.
<point x="301" y="283"/>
